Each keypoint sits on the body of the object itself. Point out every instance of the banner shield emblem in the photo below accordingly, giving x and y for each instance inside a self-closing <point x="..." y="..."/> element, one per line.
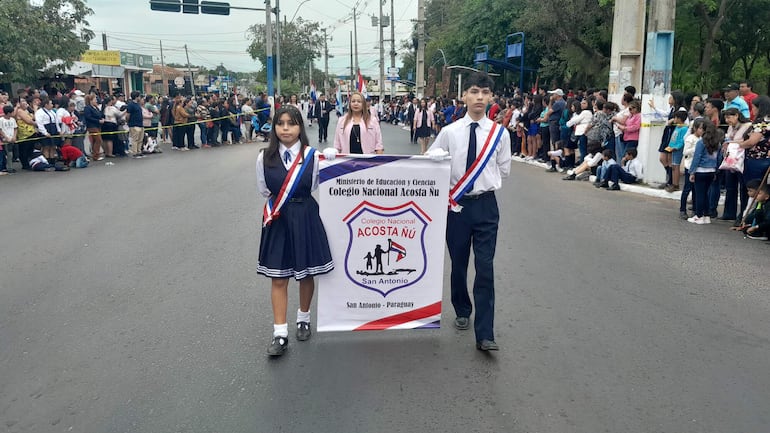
<point x="386" y="246"/>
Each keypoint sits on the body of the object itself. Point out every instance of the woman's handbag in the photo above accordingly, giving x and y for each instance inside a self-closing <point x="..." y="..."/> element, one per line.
<point x="734" y="158"/>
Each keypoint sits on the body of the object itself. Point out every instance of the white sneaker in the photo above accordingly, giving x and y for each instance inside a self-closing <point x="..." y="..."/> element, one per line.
<point x="704" y="220"/>
<point x="693" y="219"/>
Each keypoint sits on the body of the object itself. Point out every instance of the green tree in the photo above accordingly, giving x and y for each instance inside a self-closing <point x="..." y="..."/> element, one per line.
<point x="33" y="36"/>
<point x="300" y="41"/>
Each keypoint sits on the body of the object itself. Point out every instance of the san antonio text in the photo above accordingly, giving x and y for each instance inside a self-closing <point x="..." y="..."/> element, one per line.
<point x="399" y="304"/>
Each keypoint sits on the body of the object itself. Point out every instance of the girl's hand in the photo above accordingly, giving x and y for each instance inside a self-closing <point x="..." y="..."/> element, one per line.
<point x="692" y="178"/>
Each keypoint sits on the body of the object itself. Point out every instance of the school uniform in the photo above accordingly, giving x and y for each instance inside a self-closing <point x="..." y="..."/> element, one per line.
<point x="294" y="244"/>
<point x="476" y="224"/>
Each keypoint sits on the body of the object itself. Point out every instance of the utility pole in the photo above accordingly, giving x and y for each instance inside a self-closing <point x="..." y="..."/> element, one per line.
<point x="163" y="86"/>
<point x="189" y="70"/>
<point x="382" y="56"/>
<point x="392" y="50"/>
<point x="420" y="61"/>
<point x="352" y="77"/>
<point x="269" y="49"/>
<point x="278" y="47"/>
<point x="355" y="35"/>
<point x="326" y="62"/>
<point x="104" y="41"/>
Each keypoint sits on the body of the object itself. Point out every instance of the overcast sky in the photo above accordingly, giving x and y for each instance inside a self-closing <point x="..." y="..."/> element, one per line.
<point x="131" y="26"/>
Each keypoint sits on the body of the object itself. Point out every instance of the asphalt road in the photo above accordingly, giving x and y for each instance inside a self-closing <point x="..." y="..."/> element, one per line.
<point x="129" y="303"/>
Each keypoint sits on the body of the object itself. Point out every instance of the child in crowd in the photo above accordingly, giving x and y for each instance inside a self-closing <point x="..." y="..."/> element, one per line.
<point x="675" y="147"/>
<point x="687" y="153"/>
<point x="630" y="170"/>
<point x="602" y="171"/>
<point x="72" y="156"/>
<point x="38" y="162"/>
<point x="293" y="242"/>
<point x="583" y="171"/>
<point x="751" y="187"/>
<point x="8" y="130"/>
<point x="703" y="169"/>
<point x="758" y="220"/>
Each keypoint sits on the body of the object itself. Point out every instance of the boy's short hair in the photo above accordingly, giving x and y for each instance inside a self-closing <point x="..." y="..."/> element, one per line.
<point x="607" y="153"/>
<point x="632" y="151"/>
<point x="681" y="115"/>
<point x="753" y="184"/>
<point x="764" y="189"/>
<point x="7" y="109"/>
<point x="478" y="79"/>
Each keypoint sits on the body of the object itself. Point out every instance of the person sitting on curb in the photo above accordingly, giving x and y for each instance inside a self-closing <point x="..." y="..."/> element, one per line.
<point x="759" y="222"/>
<point x="583" y="171"/>
<point x="630" y="170"/>
<point x="603" y="170"/>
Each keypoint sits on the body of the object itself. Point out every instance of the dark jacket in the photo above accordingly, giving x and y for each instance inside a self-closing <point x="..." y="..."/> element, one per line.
<point x="93" y="115"/>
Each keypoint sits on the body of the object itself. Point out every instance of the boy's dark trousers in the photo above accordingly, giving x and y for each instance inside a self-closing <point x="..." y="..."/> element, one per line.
<point x="3" y="158"/>
<point x="323" y="127"/>
<point x="475" y="226"/>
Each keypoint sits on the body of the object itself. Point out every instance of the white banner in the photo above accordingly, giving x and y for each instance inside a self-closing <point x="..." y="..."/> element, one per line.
<point x="385" y="217"/>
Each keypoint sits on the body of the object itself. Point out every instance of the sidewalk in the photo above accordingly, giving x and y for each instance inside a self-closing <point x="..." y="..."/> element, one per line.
<point x="638" y="188"/>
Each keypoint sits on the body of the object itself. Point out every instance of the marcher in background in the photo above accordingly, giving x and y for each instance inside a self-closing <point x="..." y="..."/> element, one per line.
<point x="322" y="110"/>
<point x="423" y="125"/>
<point x="358" y="132"/>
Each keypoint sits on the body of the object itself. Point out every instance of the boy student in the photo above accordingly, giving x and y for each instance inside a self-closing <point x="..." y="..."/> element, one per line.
<point x="603" y="170"/>
<point x="8" y="129"/>
<point x="631" y="171"/>
<point x="38" y="162"/>
<point x="476" y="172"/>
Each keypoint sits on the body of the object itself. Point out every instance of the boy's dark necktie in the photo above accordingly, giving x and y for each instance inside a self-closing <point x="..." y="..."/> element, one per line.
<point x="471" y="151"/>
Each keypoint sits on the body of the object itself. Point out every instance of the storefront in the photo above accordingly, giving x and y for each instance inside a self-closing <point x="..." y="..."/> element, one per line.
<point x="136" y="65"/>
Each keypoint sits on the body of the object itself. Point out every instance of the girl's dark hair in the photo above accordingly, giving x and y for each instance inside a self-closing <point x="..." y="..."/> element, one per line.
<point x="763" y="107"/>
<point x="732" y="111"/>
<point x="678" y="99"/>
<point x="272" y="157"/>
<point x="712" y="136"/>
<point x="698" y="123"/>
<point x="106" y="101"/>
<point x="576" y="107"/>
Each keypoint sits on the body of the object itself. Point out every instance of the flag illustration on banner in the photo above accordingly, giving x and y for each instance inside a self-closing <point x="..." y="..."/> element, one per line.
<point x="361" y="85"/>
<point x="312" y="91"/>
<point x="398" y="249"/>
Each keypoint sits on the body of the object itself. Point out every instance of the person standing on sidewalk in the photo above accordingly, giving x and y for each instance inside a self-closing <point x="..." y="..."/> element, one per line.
<point x="481" y="158"/>
<point x="135" y="124"/>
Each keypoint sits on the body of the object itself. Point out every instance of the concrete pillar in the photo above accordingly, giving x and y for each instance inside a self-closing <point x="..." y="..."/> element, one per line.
<point x="656" y="84"/>
<point x="628" y="37"/>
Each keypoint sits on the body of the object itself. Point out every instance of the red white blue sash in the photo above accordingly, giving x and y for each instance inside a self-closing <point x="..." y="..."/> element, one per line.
<point x="476" y="168"/>
<point x="274" y="204"/>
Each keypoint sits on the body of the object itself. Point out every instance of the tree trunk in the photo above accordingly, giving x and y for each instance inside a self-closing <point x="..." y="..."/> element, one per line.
<point x="713" y="27"/>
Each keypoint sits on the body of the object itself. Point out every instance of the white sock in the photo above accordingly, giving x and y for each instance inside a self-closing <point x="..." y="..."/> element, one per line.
<point x="303" y="316"/>
<point x="281" y="330"/>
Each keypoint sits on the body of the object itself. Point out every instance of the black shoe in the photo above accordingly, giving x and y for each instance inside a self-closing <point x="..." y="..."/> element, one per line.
<point x="614" y="187"/>
<point x="278" y="346"/>
<point x="303" y="331"/>
<point x="738" y="223"/>
<point x="462" y="323"/>
<point x="487" y="345"/>
<point x="683" y="215"/>
<point x="602" y="184"/>
<point x="192" y="146"/>
<point x="713" y="214"/>
<point x="570" y="177"/>
<point x="550" y="170"/>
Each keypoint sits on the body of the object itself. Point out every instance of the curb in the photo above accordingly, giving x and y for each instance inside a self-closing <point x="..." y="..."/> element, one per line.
<point x="638" y="189"/>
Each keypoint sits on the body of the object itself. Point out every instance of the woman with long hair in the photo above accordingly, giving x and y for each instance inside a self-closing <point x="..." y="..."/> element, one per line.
<point x="357" y="131"/>
<point x="738" y="127"/>
<point x="110" y="126"/>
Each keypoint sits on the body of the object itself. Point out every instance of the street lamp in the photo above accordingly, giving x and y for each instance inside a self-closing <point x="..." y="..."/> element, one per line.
<point x="297" y="11"/>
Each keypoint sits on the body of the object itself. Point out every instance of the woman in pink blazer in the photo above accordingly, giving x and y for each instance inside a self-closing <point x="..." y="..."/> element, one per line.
<point x="358" y="132"/>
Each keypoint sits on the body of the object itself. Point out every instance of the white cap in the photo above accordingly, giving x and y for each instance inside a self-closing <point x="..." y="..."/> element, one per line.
<point x="558" y="92"/>
<point x="79" y="92"/>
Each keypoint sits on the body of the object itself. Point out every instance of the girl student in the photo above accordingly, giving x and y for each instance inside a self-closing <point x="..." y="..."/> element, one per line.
<point x="703" y="168"/>
<point x="293" y="241"/>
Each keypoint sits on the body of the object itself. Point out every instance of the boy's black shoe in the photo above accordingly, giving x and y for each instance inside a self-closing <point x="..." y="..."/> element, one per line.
<point x="303" y="331"/>
<point x="462" y="323"/>
<point x="683" y="215"/>
<point x="602" y="184"/>
<point x="487" y="345"/>
<point x="278" y="346"/>
<point x="614" y="187"/>
<point x="569" y="177"/>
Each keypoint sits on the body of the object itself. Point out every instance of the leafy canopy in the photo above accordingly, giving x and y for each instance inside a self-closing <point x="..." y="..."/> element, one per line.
<point x="33" y="36"/>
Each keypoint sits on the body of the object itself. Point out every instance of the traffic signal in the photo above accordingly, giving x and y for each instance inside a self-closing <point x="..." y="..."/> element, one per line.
<point x="166" y="5"/>
<point x="215" y="8"/>
<point x="190" y="6"/>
